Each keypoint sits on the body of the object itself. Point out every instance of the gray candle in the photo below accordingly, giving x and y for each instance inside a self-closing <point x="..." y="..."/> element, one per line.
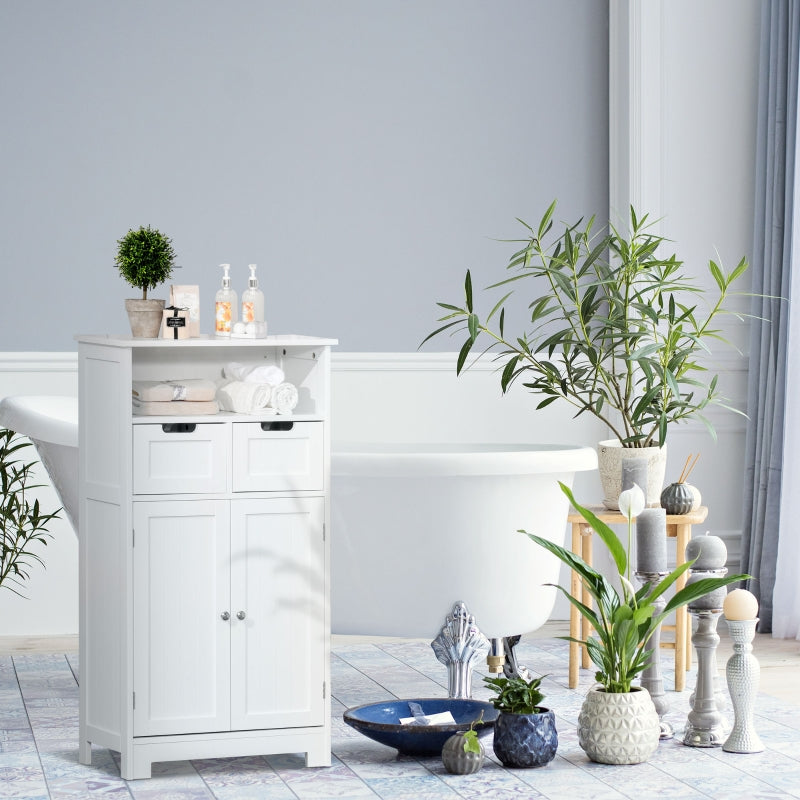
<point x="710" y="552"/>
<point x="651" y="540"/>
<point x="634" y="470"/>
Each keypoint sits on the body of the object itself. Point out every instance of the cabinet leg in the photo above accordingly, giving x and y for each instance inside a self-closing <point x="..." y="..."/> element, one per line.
<point x="135" y="767"/>
<point x="85" y="753"/>
<point x="319" y="756"/>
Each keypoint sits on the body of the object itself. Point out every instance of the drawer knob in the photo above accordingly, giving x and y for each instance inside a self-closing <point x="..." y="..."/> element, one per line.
<point x="224" y="616"/>
<point x="240" y="615"/>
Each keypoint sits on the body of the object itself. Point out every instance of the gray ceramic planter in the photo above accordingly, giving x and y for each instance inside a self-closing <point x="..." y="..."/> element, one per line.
<point x="526" y="740"/>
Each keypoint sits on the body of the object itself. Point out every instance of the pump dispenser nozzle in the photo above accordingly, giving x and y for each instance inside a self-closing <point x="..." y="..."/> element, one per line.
<point x="252" y="281"/>
<point x="226" y="278"/>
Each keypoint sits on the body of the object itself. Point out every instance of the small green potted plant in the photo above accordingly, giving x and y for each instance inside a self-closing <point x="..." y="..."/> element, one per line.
<point x="624" y="620"/>
<point x="23" y="524"/>
<point x="614" y="328"/>
<point x="525" y="731"/>
<point x="145" y="259"/>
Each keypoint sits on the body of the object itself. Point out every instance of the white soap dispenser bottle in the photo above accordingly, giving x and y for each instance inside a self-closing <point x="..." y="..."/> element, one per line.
<point x="252" y="299"/>
<point x="225" y="307"/>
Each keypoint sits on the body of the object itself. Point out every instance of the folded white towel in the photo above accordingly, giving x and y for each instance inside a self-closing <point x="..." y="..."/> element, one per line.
<point x="166" y="391"/>
<point x="243" y="398"/>
<point x="284" y="398"/>
<point x="254" y="373"/>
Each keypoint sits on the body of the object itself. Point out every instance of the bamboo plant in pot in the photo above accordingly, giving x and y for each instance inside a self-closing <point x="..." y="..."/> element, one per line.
<point x="618" y="723"/>
<point x="145" y="259"/>
<point x="616" y="330"/>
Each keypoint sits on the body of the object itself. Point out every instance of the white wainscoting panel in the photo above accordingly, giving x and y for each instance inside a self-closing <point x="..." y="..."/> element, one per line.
<point x="399" y="397"/>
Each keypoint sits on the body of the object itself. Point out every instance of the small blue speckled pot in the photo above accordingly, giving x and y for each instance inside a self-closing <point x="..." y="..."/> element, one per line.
<point x="526" y="740"/>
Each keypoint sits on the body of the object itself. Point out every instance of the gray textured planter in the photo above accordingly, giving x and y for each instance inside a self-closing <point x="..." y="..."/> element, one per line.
<point x="610" y="454"/>
<point x="526" y="740"/>
<point x="145" y="317"/>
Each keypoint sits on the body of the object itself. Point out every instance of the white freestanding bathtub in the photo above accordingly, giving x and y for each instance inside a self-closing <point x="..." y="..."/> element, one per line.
<point x="417" y="528"/>
<point x="51" y="423"/>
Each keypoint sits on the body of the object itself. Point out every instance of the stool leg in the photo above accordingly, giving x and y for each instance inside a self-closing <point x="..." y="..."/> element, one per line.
<point x="586" y="628"/>
<point x="574" y="614"/>
<point x="682" y="628"/>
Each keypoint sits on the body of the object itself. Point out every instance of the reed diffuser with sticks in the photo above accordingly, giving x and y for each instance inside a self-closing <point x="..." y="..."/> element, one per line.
<point x="678" y="497"/>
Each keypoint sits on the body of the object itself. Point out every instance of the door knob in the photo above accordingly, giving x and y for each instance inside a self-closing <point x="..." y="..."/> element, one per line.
<point x="225" y="616"/>
<point x="240" y="615"/>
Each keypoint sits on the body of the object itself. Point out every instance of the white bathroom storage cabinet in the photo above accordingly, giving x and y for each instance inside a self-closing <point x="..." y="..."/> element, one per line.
<point x="204" y="559"/>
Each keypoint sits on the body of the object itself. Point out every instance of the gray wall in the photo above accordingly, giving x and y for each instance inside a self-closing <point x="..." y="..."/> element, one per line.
<point x="362" y="152"/>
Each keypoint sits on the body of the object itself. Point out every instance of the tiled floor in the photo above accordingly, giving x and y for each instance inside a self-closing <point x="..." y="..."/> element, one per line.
<point x="39" y="743"/>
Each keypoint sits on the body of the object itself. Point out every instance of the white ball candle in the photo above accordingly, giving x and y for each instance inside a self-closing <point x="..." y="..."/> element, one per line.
<point x="740" y="604"/>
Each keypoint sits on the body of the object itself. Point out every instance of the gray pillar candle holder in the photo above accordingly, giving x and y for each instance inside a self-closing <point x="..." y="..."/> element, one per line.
<point x="705" y="726"/>
<point x="652" y="677"/>
<point x="743" y="673"/>
<point x="459" y="646"/>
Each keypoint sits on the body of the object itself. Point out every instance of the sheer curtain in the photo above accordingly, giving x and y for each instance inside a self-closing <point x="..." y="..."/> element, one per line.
<point x="772" y="401"/>
<point x="786" y="596"/>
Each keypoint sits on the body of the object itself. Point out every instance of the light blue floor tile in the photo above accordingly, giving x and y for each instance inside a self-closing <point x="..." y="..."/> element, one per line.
<point x="39" y="736"/>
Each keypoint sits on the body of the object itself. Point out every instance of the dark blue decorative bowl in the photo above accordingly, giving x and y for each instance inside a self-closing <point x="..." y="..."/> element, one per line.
<point x="381" y="722"/>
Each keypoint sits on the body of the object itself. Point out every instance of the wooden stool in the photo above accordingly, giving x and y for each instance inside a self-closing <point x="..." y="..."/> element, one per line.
<point x="679" y="527"/>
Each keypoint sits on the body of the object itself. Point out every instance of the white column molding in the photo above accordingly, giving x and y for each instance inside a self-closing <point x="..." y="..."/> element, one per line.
<point x="636" y="89"/>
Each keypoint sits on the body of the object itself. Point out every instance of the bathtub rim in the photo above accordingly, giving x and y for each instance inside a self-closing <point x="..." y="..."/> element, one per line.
<point x="415" y="459"/>
<point x="46" y="418"/>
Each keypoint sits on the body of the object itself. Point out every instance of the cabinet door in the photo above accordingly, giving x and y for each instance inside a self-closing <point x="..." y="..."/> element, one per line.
<point x="278" y="585"/>
<point x="181" y="644"/>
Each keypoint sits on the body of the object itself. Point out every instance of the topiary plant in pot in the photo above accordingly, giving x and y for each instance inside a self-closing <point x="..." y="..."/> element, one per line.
<point x="145" y="259"/>
<point x="614" y="328"/>
<point x="525" y="732"/>
<point x="624" y="621"/>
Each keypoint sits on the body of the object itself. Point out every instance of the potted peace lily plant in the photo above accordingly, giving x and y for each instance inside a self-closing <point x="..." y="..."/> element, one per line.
<point x="624" y="621"/>
<point x="616" y="330"/>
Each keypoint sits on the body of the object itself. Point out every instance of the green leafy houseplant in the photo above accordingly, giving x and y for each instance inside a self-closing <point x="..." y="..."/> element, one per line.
<point x="516" y="695"/>
<point x="22" y="524"/>
<point x="624" y="621"/>
<point x="525" y="732"/>
<point x="616" y="330"/>
<point x="145" y="258"/>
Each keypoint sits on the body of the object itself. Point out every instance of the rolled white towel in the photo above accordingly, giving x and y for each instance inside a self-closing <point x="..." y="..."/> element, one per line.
<point x="284" y="398"/>
<point x="270" y="374"/>
<point x="243" y="398"/>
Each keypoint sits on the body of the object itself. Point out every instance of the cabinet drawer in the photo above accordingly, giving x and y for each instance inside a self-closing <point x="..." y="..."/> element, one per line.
<point x="277" y="456"/>
<point x="179" y="458"/>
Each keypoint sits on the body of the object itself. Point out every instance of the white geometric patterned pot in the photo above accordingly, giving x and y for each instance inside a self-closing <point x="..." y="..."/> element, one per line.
<point x="618" y="728"/>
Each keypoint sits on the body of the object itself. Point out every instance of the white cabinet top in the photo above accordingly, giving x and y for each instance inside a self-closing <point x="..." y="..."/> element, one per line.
<point x="281" y="340"/>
